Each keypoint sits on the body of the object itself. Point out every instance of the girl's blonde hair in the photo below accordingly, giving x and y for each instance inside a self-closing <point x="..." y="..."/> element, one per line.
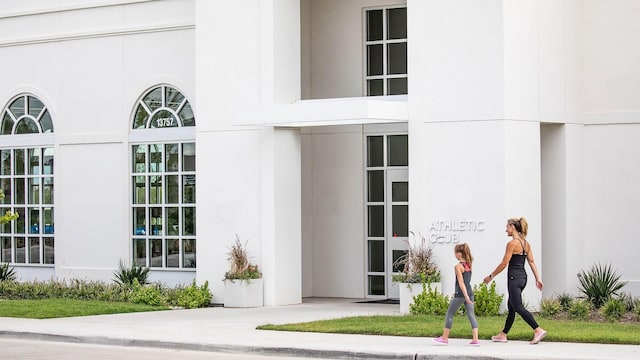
<point x="520" y="224"/>
<point x="465" y="251"/>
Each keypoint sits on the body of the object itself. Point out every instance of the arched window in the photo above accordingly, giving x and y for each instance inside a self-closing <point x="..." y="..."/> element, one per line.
<point x="26" y="115"/>
<point x="26" y="178"/>
<point x="163" y="181"/>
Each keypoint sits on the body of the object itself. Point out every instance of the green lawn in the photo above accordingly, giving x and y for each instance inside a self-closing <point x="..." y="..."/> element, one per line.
<point x="431" y="326"/>
<point x="56" y="308"/>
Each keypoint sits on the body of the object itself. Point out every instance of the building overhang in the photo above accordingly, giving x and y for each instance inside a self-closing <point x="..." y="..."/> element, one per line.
<point x="326" y="112"/>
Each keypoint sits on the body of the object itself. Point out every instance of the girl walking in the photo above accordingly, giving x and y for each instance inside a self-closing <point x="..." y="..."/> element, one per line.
<point x="463" y="295"/>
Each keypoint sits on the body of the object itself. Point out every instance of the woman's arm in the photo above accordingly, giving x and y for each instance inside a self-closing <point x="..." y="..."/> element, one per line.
<point x="503" y="264"/>
<point x="534" y="268"/>
<point x="458" y="269"/>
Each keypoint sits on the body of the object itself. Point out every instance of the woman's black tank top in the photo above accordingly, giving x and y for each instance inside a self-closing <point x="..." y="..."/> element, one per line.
<point x="516" y="264"/>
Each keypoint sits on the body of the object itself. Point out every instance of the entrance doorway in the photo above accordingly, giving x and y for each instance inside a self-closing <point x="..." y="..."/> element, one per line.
<point x="387" y="211"/>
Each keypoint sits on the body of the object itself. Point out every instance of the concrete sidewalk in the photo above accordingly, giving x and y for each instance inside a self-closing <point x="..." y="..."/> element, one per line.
<point x="233" y="330"/>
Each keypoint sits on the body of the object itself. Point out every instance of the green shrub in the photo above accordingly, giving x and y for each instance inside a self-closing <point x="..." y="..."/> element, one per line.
<point x="613" y="309"/>
<point x="429" y="302"/>
<point x="579" y="309"/>
<point x="194" y="296"/>
<point x="126" y="274"/>
<point x="487" y="301"/>
<point x="7" y="273"/>
<point x="148" y="294"/>
<point x="549" y="308"/>
<point x="629" y="301"/>
<point x="599" y="283"/>
<point x="565" y="300"/>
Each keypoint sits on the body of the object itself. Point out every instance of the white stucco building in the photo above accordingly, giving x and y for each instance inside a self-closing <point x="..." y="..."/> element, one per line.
<point x="322" y="132"/>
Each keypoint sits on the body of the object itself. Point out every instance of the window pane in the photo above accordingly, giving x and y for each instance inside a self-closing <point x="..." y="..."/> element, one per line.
<point x="189" y="251"/>
<point x="154" y="99"/>
<point x="21" y="249"/>
<point x="398" y="86"/>
<point x="189" y="221"/>
<point x="5" y="244"/>
<point x="19" y="162"/>
<point x="173" y="253"/>
<point x="155" y="190"/>
<point x="155" y="219"/>
<point x="48" y="221"/>
<point x="376" y="284"/>
<point x="400" y="191"/>
<point x="27" y="126"/>
<point x="173" y="228"/>
<point x="156" y="253"/>
<point x="171" y="155"/>
<point x="173" y="98"/>
<point x="139" y="190"/>
<point x="400" y="220"/>
<point x="163" y="119"/>
<point x="186" y="114"/>
<point x="47" y="161"/>
<point x="376" y="256"/>
<point x="7" y="124"/>
<point x="173" y="189"/>
<point x="139" y="158"/>
<point x="18" y="187"/>
<point x="5" y="184"/>
<point x="6" y="227"/>
<point x="397" y="23"/>
<point x="34" y="221"/>
<point x="398" y="150"/>
<point x="397" y="58"/>
<point x="139" y="223"/>
<point x="374" y="60"/>
<point x="374" y="25"/>
<point x="375" y="151"/>
<point x="17" y="107"/>
<point x="35" y="106"/>
<point x="20" y="222"/>
<point x="46" y="123"/>
<point x="34" y="161"/>
<point x="188" y="189"/>
<point x="34" y="250"/>
<point x="397" y="254"/>
<point x="141" y="117"/>
<point x="34" y="190"/>
<point x="376" y="221"/>
<point x="49" y="251"/>
<point x="5" y="163"/>
<point x="140" y="252"/>
<point x="375" y="87"/>
<point x="189" y="157"/>
<point x="375" y="185"/>
<point x="155" y="158"/>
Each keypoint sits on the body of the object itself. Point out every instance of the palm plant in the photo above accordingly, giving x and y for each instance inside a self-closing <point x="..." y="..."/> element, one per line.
<point x="599" y="284"/>
<point x="7" y="273"/>
<point x="125" y="275"/>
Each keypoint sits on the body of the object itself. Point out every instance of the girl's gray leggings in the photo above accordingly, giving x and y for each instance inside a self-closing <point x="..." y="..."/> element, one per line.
<point x="454" y="305"/>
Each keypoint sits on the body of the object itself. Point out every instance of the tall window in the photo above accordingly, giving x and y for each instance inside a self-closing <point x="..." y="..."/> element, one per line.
<point x="386" y="51"/>
<point x="26" y="178"/>
<point x="163" y="183"/>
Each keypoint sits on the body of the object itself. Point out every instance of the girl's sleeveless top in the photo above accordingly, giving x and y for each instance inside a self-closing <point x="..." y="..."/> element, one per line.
<point x="466" y="276"/>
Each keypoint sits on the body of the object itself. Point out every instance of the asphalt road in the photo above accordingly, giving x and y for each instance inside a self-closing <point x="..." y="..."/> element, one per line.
<point x="35" y="349"/>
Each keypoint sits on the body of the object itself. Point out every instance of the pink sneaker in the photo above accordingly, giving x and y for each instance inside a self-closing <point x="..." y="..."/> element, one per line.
<point x="440" y="340"/>
<point x="499" y="338"/>
<point x="539" y="336"/>
<point x="474" y="343"/>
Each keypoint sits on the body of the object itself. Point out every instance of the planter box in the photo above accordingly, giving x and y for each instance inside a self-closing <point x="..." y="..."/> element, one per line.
<point x="409" y="290"/>
<point x="243" y="293"/>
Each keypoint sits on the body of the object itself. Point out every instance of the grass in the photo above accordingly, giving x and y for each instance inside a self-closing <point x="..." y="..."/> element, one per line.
<point x="56" y="308"/>
<point x="431" y="326"/>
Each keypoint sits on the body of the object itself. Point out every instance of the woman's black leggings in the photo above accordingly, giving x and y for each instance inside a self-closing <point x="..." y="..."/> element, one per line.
<point x="516" y="285"/>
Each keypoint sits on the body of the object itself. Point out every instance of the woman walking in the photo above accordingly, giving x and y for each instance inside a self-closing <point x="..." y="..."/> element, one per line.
<point x="518" y="250"/>
<point x="463" y="294"/>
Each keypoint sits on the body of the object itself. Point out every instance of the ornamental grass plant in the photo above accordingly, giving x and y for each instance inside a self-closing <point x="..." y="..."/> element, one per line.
<point x="240" y="268"/>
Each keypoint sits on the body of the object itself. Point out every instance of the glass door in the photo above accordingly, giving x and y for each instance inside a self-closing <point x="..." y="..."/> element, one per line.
<point x="397" y="225"/>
